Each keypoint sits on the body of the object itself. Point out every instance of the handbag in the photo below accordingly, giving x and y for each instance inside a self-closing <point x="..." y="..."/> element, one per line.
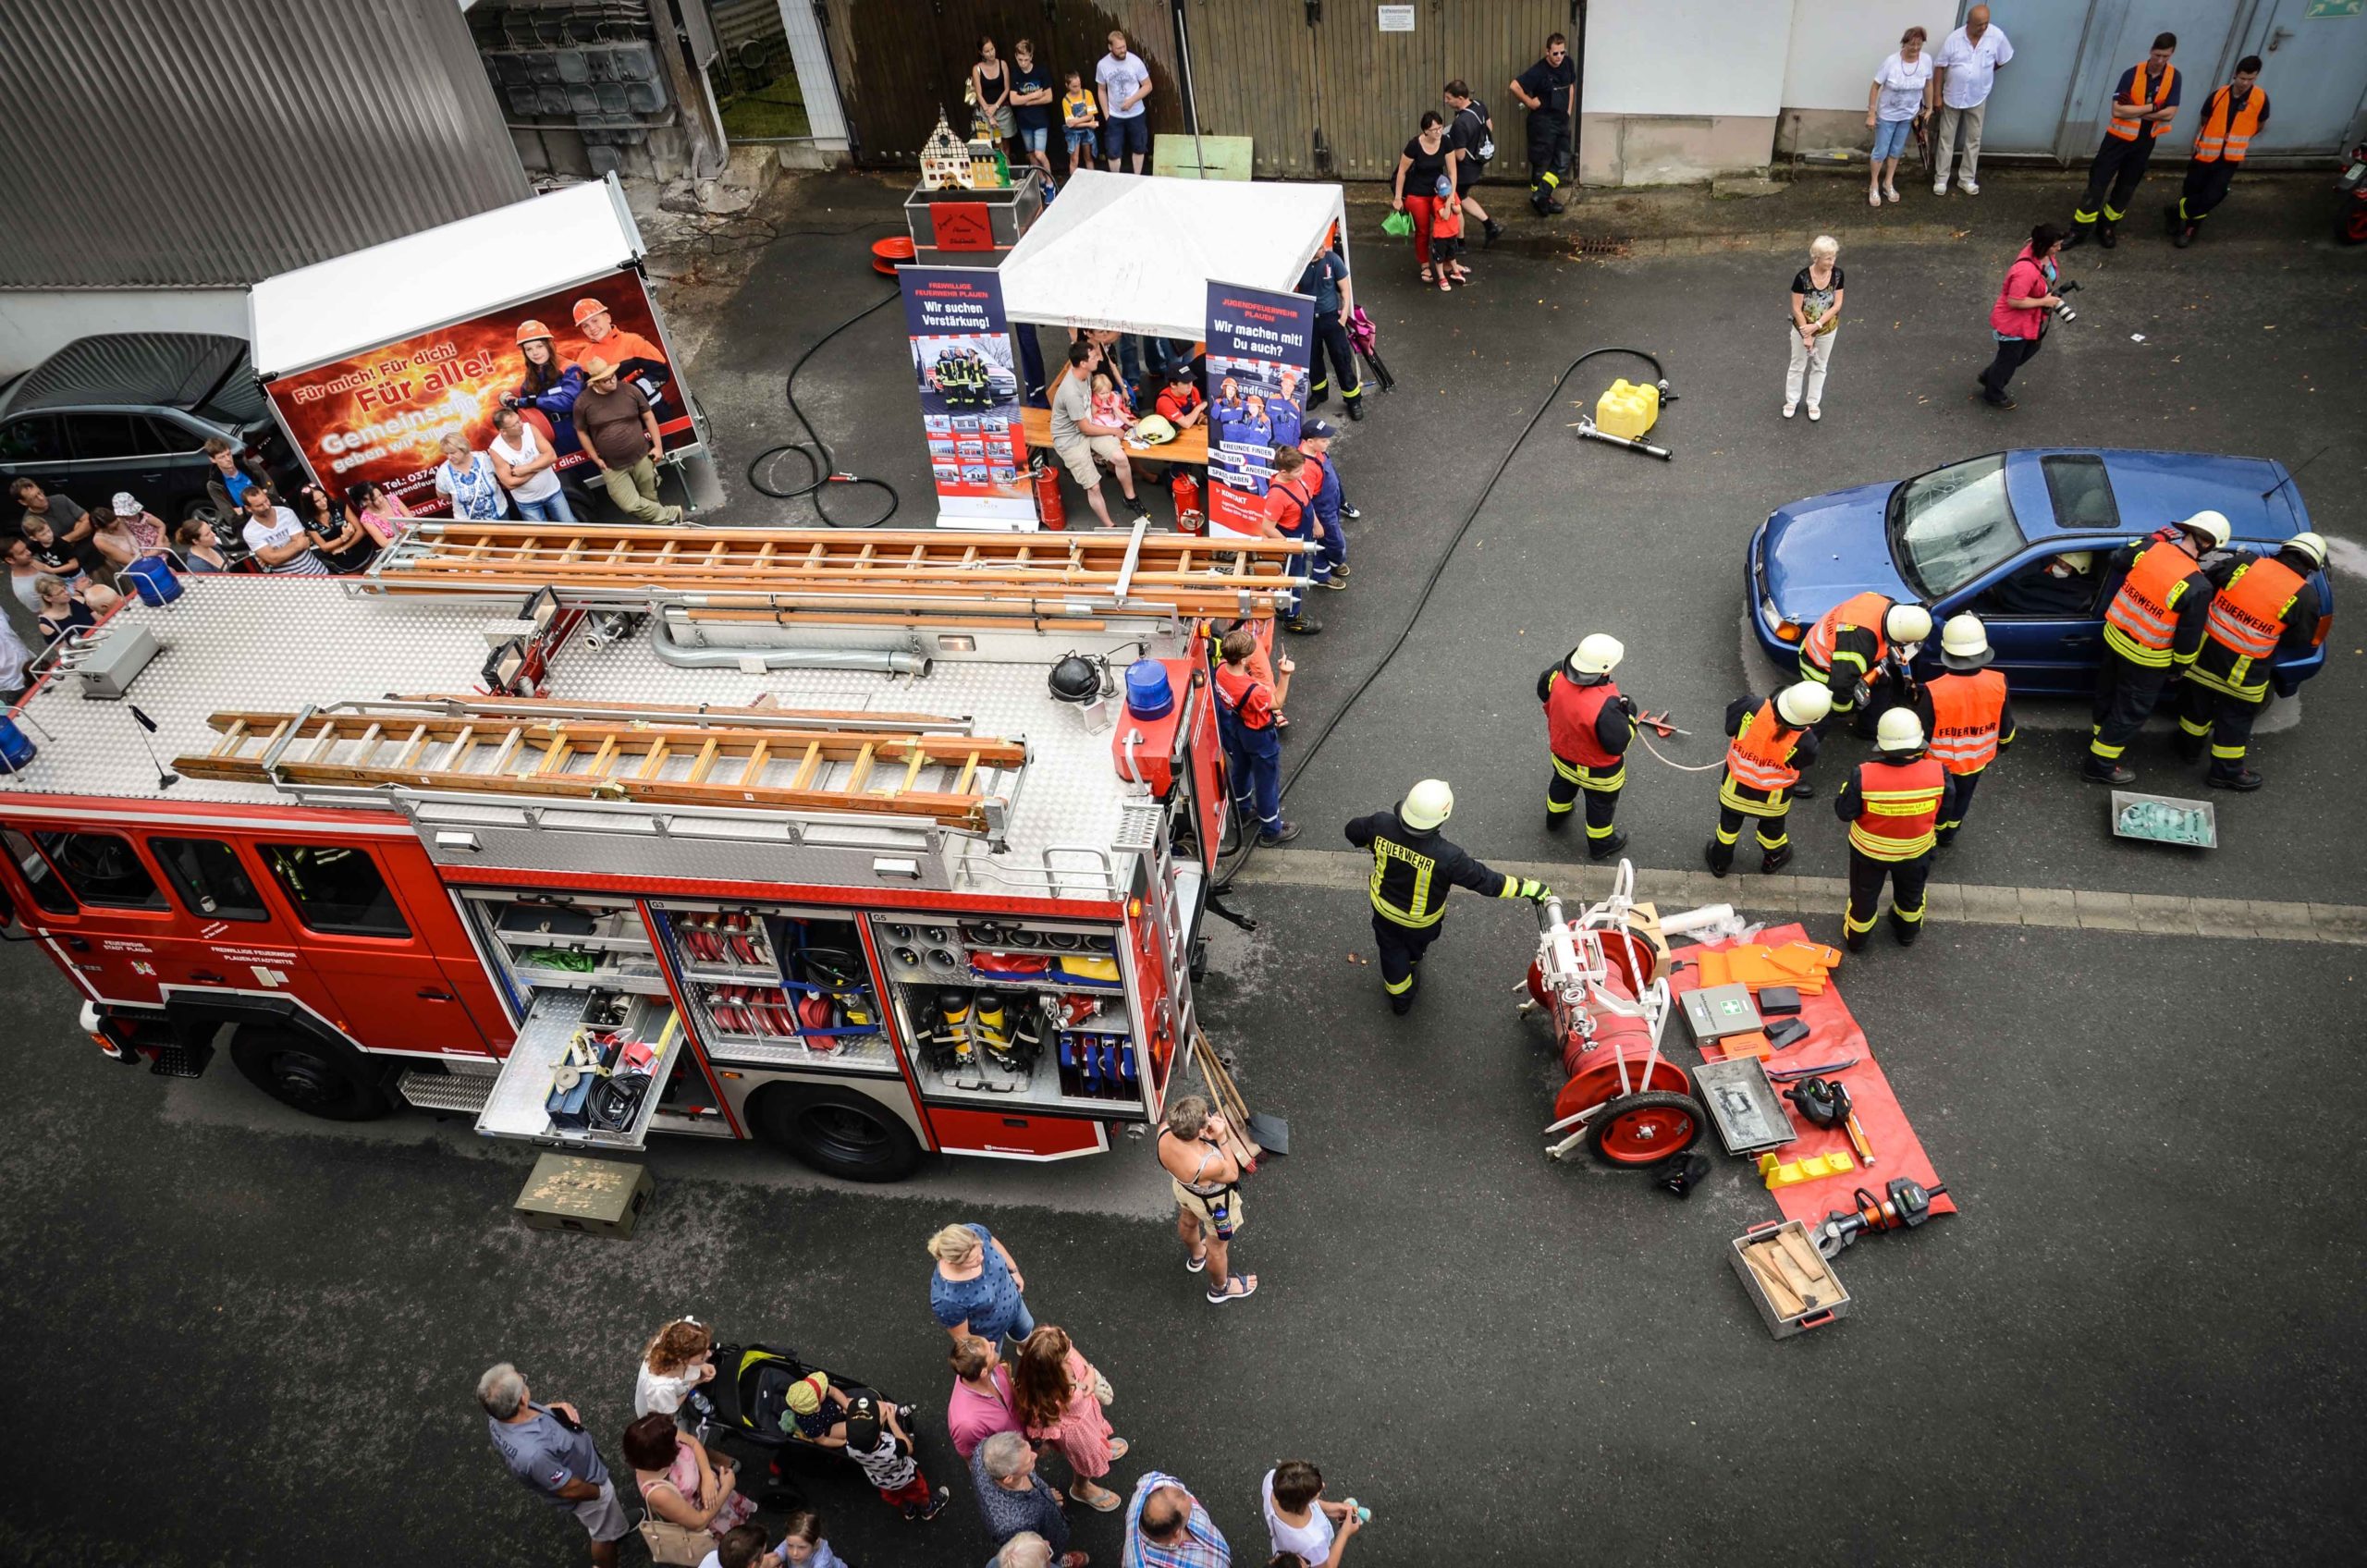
<point x="678" y="1545"/>
<point x="1398" y="226"/>
<point x="1101" y="1389"/>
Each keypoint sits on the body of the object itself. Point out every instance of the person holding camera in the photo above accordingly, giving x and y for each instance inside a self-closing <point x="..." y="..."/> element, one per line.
<point x="2017" y="321"/>
<point x="1204" y="1175"/>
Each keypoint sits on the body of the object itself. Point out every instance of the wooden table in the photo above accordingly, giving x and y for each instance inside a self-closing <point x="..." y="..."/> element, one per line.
<point x="1189" y="447"/>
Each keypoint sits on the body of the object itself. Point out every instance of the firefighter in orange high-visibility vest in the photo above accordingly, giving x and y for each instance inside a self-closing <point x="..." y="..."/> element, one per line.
<point x="2231" y="117"/>
<point x="2152" y="630"/>
<point x="1894" y="805"/>
<point x="2143" y="103"/>
<point x="2265" y="606"/>
<point x="1967" y="714"/>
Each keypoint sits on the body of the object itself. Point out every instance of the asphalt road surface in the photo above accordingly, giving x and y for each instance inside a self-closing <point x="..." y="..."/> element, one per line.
<point x="253" y="1338"/>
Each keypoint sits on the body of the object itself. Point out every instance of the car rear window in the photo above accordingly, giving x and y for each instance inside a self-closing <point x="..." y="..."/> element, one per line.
<point x="2081" y="493"/>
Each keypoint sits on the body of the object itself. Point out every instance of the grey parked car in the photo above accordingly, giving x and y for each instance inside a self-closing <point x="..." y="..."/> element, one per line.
<point x="133" y="411"/>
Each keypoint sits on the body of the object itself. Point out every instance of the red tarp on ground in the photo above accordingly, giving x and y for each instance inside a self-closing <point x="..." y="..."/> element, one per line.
<point x="1833" y="1035"/>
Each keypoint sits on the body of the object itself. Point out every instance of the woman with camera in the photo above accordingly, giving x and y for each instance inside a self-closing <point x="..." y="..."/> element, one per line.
<point x="2018" y="318"/>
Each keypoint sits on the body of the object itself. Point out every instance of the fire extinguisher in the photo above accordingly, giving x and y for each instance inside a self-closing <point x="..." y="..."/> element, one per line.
<point x="1049" y="508"/>
<point x="1189" y="519"/>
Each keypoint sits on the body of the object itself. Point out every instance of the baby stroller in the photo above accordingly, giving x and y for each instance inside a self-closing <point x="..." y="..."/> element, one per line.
<point x="750" y="1396"/>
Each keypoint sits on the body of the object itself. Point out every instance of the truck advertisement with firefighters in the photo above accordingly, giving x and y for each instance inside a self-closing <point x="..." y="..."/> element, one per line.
<point x="1258" y="342"/>
<point x="962" y="366"/>
<point x="377" y="417"/>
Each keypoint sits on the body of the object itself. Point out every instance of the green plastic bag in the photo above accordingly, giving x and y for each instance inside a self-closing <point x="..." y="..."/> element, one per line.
<point x="1398" y="226"/>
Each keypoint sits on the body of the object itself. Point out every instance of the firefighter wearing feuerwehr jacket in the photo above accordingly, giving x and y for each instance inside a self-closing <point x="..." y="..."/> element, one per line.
<point x="1966" y="714"/>
<point x="2264" y="606"/>
<point x="1413" y="868"/>
<point x="1849" y="649"/>
<point x="2152" y="630"/>
<point x="1589" y="727"/>
<point x="1893" y="806"/>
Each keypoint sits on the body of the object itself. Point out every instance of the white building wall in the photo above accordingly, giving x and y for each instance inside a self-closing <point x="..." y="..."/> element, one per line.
<point x="36" y="322"/>
<point x="1681" y="89"/>
<point x="1835" y="44"/>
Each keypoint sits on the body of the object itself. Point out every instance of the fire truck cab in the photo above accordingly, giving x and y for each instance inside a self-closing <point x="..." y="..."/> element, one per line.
<point x="864" y="886"/>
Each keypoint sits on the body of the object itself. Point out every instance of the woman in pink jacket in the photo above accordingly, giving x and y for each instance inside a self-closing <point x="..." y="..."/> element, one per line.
<point x="1059" y="1397"/>
<point x="2018" y="318"/>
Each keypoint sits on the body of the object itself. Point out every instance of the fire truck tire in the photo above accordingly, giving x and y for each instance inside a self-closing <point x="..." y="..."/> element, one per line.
<point x="838" y="1132"/>
<point x="311" y="1074"/>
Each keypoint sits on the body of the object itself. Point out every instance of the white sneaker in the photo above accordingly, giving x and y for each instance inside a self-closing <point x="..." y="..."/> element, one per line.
<point x="1969" y="187"/>
<point x="1940" y="188"/>
<point x="1815" y="413"/>
<point x="1790" y="408"/>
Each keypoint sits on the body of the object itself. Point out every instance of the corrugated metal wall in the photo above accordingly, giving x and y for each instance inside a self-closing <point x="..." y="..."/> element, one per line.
<point x="1254" y="62"/>
<point x="170" y="143"/>
<point x="898" y="64"/>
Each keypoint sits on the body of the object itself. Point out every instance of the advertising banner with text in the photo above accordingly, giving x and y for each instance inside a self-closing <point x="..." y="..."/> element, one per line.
<point x="1257" y="358"/>
<point x="962" y="364"/>
<point x="376" y="417"/>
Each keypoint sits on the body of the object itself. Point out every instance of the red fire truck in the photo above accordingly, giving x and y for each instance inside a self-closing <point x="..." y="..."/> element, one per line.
<point x="863" y="863"/>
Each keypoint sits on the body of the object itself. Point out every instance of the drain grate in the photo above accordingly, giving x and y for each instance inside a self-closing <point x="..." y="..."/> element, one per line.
<point x="1604" y="245"/>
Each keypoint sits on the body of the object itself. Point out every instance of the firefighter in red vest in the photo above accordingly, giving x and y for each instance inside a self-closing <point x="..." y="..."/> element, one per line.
<point x="1966" y="714"/>
<point x="2231" y="117"/>
<point x="1589" y="727"/>
<point x="2153" y="629"/>
<point x="1850" y="647"/>
<point x="1893" y="806"/>
<point x="2143" y="103"/>
<point x="1253" y="746"/>
<point x="2265" y="606"/>
<point x="1773" y="741"/>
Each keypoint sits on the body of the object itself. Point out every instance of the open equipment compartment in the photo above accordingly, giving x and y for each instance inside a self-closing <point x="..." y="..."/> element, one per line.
<point x="561" y="1025"/>
<point x="776" y="987"/>
<point x="1009" y="1012"/>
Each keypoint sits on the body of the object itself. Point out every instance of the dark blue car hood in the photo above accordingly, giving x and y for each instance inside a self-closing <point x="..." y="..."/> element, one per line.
<point x="1820" y="551"/>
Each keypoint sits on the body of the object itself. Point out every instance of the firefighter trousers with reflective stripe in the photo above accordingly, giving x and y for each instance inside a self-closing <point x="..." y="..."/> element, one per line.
<point x="1332" y="339"/>
<point x="1737" y="805"/>
<point x="2206" y="187"/>
<point x="2223" y="718"/>
<point x="1549" y="154"/>
<point x="2127" y="692"/>
<point x="2112" y="179"/>
<point x="1601" y="789"/>
<point x="1906" y="879"/>
<point x="1965" y="783"/>
<point x="1254" y="761"/>
<point x="1402" y="947"/>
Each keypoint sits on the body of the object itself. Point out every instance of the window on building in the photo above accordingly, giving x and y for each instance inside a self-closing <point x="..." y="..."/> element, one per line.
<point x="335" y="888"/>
<point x="102" y="868"/>
<point x="39" y="874"/>
<point x="207" y="876"/>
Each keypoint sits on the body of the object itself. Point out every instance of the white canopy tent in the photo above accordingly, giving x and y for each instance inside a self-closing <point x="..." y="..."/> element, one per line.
<point x="1132" y="253"/>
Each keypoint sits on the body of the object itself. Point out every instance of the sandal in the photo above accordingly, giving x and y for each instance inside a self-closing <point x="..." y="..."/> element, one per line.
<point x="1446" y="283"/>
<point x="1426" y="272"/>
<point x="1281" y="722"/>
<point x="1197" y="1261"/>
<point x="1101" y="1499"/>
<point x="1120" y="1448"/>
<point x="1237" y="1287"/>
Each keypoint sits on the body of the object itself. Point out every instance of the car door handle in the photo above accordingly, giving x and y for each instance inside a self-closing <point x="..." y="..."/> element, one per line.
<point x="2079" y="641"/>
<point x="429" y="995"/>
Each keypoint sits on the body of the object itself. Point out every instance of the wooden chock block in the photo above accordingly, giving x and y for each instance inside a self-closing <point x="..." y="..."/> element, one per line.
<point x="1791" y="1173"/>
<point x="599" y="1197"/>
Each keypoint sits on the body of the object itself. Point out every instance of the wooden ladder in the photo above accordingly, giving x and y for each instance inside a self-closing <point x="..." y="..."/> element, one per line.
<point x="762" y="758"/>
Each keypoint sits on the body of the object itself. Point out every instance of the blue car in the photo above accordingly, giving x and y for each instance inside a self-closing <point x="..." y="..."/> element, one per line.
<point x="2020" y="539"/>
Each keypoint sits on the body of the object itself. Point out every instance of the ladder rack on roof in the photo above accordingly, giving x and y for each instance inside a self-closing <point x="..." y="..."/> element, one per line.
<point x="818" y="571"/>
<point x="873" y="766"/>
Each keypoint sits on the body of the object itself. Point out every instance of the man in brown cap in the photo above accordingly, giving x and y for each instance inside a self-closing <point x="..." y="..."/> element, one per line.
<point x="613" y="424"/>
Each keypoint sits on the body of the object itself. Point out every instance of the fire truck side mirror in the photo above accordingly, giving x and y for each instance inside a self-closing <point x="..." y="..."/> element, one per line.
<point x="896" y="869"/>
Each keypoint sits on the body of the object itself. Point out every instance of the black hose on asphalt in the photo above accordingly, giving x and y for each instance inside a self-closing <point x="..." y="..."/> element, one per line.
<point x="1248" y="831"/>
<point x="813" y="449"/>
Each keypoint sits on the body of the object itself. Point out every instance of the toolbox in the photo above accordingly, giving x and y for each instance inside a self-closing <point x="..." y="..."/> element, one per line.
<point x="599" y="1197"/>
<point x="1831" y="1303"/>
<point x="1743" y="1105"/>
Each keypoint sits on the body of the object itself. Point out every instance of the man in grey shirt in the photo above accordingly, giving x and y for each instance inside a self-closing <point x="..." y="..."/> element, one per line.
<point x="1078" y="439"/>
<point x="546" y="1448"/>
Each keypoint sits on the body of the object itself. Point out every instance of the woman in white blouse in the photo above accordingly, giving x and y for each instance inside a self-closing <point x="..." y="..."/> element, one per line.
<point x="1896" y="105"/>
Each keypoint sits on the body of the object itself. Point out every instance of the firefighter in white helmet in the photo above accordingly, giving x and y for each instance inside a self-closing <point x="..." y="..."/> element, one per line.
<point x="1853" y="647"/>
<point x="1412" y="867"/>
<point x="2265" y="606"/>
<point x="2152" y="630"/>
<point x="1894" y="805"/>
<point x="1966" y="713"/>
<point x="1589" y="727"/>
<point x="1772" y="741"/>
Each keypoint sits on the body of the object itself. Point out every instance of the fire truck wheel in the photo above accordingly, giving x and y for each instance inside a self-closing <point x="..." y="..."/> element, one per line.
<point x="316" y="1078"/>
<point x="1637" y="1130"/>
<point x="838" y="1132"/>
